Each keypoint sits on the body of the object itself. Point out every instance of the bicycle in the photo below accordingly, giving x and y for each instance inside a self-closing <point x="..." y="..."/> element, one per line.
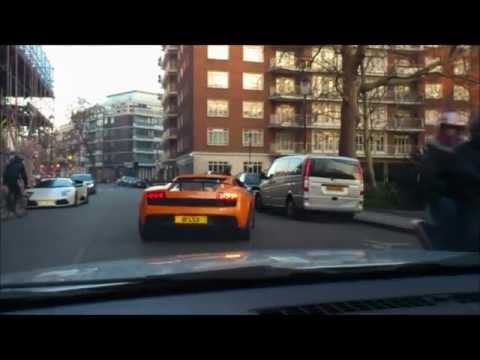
<point x="19" y="202"/>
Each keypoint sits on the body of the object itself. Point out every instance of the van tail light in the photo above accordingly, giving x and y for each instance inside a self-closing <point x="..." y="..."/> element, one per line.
<point x="359" y="172"/>
<point x="307" y="169"/>
<point x="155" y="195"/>
<point x="227" y="199"/>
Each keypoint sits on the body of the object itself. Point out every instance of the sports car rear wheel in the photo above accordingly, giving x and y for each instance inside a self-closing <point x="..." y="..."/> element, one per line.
<point x="145" y="233"/>
<point x="245" y="234"/>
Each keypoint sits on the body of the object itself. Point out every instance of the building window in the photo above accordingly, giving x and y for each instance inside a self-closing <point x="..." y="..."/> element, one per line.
<point x="378" y="143"/>
<point x="180" y="122"/>
<point x="402" y="91"/>
<point x="218" y="79"/>
<point x="325" y="141"/>
<point x="326" y="113"/>
<point x="326" y="59"/>
<point x="461" y="66"/>
<point x="433" y="91"/>
<point x="284" y="85"/>
<point x="431" y="117"/>
<point x="252" y="81"/>
<point x="359" y="142"/>
<point x="253" y="53"/>
<point x="219" y="167"/>
<point x="218" y="52"/>
<point x="252" y="137"/>
<point x="218" y="137"/>
<point x="430" y="60"/>
<point x="464" y="116"/>
<point x="252" y="109"/>
<point x="402" y="144"/>
<point x="252" y="167"/>
<point x="284" y="141"/>
<point x="285" y="58"/>
<point x="460" y="93"/>
<point x="375" y="65"/>
<point x="377" y="116"/>
<point x="217" y="108"/>
<point x="324" y="86"/>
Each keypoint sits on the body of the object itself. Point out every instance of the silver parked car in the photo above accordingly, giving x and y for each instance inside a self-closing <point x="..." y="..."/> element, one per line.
<point x="302" y="183"/>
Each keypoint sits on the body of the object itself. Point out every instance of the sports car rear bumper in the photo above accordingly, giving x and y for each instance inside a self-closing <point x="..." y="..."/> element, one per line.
<point x="168" y="221"/>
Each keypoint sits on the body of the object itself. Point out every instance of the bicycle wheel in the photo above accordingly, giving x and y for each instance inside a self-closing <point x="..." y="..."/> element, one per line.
<point x="21" y="206"/>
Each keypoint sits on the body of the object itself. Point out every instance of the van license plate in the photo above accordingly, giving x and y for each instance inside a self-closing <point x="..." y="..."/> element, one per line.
<point x="335" y="188"/>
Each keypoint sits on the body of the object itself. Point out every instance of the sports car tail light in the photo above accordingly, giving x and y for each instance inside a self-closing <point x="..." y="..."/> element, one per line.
<point x="228" y="199"/>
<point x="155" y="195"/>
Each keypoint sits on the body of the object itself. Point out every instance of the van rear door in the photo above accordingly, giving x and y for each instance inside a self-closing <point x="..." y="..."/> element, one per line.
<point x="335" y="177"/>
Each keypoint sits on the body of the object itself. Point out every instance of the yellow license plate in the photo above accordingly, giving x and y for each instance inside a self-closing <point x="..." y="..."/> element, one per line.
<point x="335" y="188"/>
<point x="182" y="219"/>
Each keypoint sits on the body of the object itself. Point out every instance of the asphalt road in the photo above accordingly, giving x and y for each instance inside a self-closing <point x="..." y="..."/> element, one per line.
<point x="106" y="229"/>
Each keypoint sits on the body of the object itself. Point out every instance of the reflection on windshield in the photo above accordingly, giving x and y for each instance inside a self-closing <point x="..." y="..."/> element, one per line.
<point x="54" y="184"/>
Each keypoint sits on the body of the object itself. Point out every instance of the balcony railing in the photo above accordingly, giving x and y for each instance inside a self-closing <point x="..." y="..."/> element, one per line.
<point x="170" y="134"/>
<point x="171" y="111"/>
<point x="407" y="47"/>
<point x="171" y="89"/>
<point x="143" y="150"/>
<point x="278" y="65"/>
<point x="403" y="151"/>
<point x="405" y="70"/>
<point x="405" y="124"/>
<point x="299" y="121"/>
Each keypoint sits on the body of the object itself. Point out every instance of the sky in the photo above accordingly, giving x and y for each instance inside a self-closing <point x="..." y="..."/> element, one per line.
<point x="93" y="72"/>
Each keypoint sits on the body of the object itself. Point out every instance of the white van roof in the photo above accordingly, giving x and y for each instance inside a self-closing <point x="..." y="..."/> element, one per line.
<point x="320" y="156"/>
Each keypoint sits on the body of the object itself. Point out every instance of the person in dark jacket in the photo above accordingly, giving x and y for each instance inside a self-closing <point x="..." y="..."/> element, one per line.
<point x="468" y="195"/>
<point x="14" y="172"/>
<point x="439" y="174"/>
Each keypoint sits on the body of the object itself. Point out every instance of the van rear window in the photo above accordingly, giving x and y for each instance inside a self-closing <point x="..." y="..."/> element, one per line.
<point x="333" y="169"/>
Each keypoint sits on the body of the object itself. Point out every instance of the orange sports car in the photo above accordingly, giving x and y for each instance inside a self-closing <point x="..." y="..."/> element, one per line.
<point x="197" y="201"/>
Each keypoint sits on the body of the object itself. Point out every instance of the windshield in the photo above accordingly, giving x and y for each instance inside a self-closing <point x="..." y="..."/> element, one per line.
<point x="85" y="177"/>
<point x="215" y="156"/>
<point x="54" y="184"/>
<point x="251" y="179"/>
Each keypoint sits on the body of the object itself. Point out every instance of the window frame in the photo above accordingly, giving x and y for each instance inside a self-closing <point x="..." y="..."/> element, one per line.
<point x="210" y="47"/>
<point x="212" y="130"/>
<point x="253" y="61"/>
<point x="218" y="100"/>
<point x="245" y="142"/>
<point x="218" y="72"/>
<point x="261" y="75"/>
<point x="252" y="102"/>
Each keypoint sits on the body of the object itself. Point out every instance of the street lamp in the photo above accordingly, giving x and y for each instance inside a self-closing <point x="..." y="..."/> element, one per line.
<point x="305" y="87"/>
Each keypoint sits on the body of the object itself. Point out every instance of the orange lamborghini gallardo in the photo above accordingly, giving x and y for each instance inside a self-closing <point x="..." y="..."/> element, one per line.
<point x="197" y="201"/>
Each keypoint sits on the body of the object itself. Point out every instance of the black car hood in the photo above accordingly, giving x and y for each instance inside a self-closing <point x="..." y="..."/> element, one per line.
<point x="193" y="263"/>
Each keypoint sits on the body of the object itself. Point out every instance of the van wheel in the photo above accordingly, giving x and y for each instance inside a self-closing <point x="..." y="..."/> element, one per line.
<point x="292" y="211"/>
<point x="259" y="206"/>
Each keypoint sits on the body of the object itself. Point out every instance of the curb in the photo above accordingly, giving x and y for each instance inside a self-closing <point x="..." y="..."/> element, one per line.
<point x="387" y="226"/>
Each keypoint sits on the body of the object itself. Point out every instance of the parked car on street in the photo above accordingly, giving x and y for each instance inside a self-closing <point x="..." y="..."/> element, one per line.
<point x="57" y="192"/>
<point x="88" y="180"/>
<point x="301" y="183"/>
<point x="196" y="202"/>
<point x="251" y="181"/>
<point x="131" y="182"/>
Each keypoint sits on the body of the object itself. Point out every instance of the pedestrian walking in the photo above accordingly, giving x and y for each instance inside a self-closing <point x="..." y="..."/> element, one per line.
<point x="438" y="175"/>
<point x="468" y="195"/>
<point x="13" y="176"/>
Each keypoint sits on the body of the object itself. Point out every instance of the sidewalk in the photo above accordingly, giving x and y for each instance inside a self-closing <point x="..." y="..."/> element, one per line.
<point x="393" y="219"/>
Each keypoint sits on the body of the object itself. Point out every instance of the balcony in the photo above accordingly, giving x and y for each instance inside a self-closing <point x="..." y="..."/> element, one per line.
<point x="405" y="70"/>
<point x="392" y="98"/>
<point x="288" y="147"/>
<point x="142" y="150"/>
<point x="171" y="67"/>
<point x="286" y="94"/>
<point x="398" y="151"/>
<point x="278" y="67"/>
<point x="407" y="47"/>
<point x="146" y="138"/>
<point x="171" y="90"/>
<point x="170" y="134"/>
<point x="169" y="155"/>
<point x="171" y="111"/>
<point x="171" y="48"/>
<point x="405" y="124"/>
<point x="297" y="121"/>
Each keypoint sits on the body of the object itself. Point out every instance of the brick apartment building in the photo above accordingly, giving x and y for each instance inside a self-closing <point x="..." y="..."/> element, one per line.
<point x="123" y="136"/>
<point x="242" y="105"/>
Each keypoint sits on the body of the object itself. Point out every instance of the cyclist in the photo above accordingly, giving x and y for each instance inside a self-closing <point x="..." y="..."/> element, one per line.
<point x="13" y="174"/>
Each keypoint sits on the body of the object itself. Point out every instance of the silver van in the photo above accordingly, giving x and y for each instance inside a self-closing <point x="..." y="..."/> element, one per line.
<point x="302" y="183"/>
